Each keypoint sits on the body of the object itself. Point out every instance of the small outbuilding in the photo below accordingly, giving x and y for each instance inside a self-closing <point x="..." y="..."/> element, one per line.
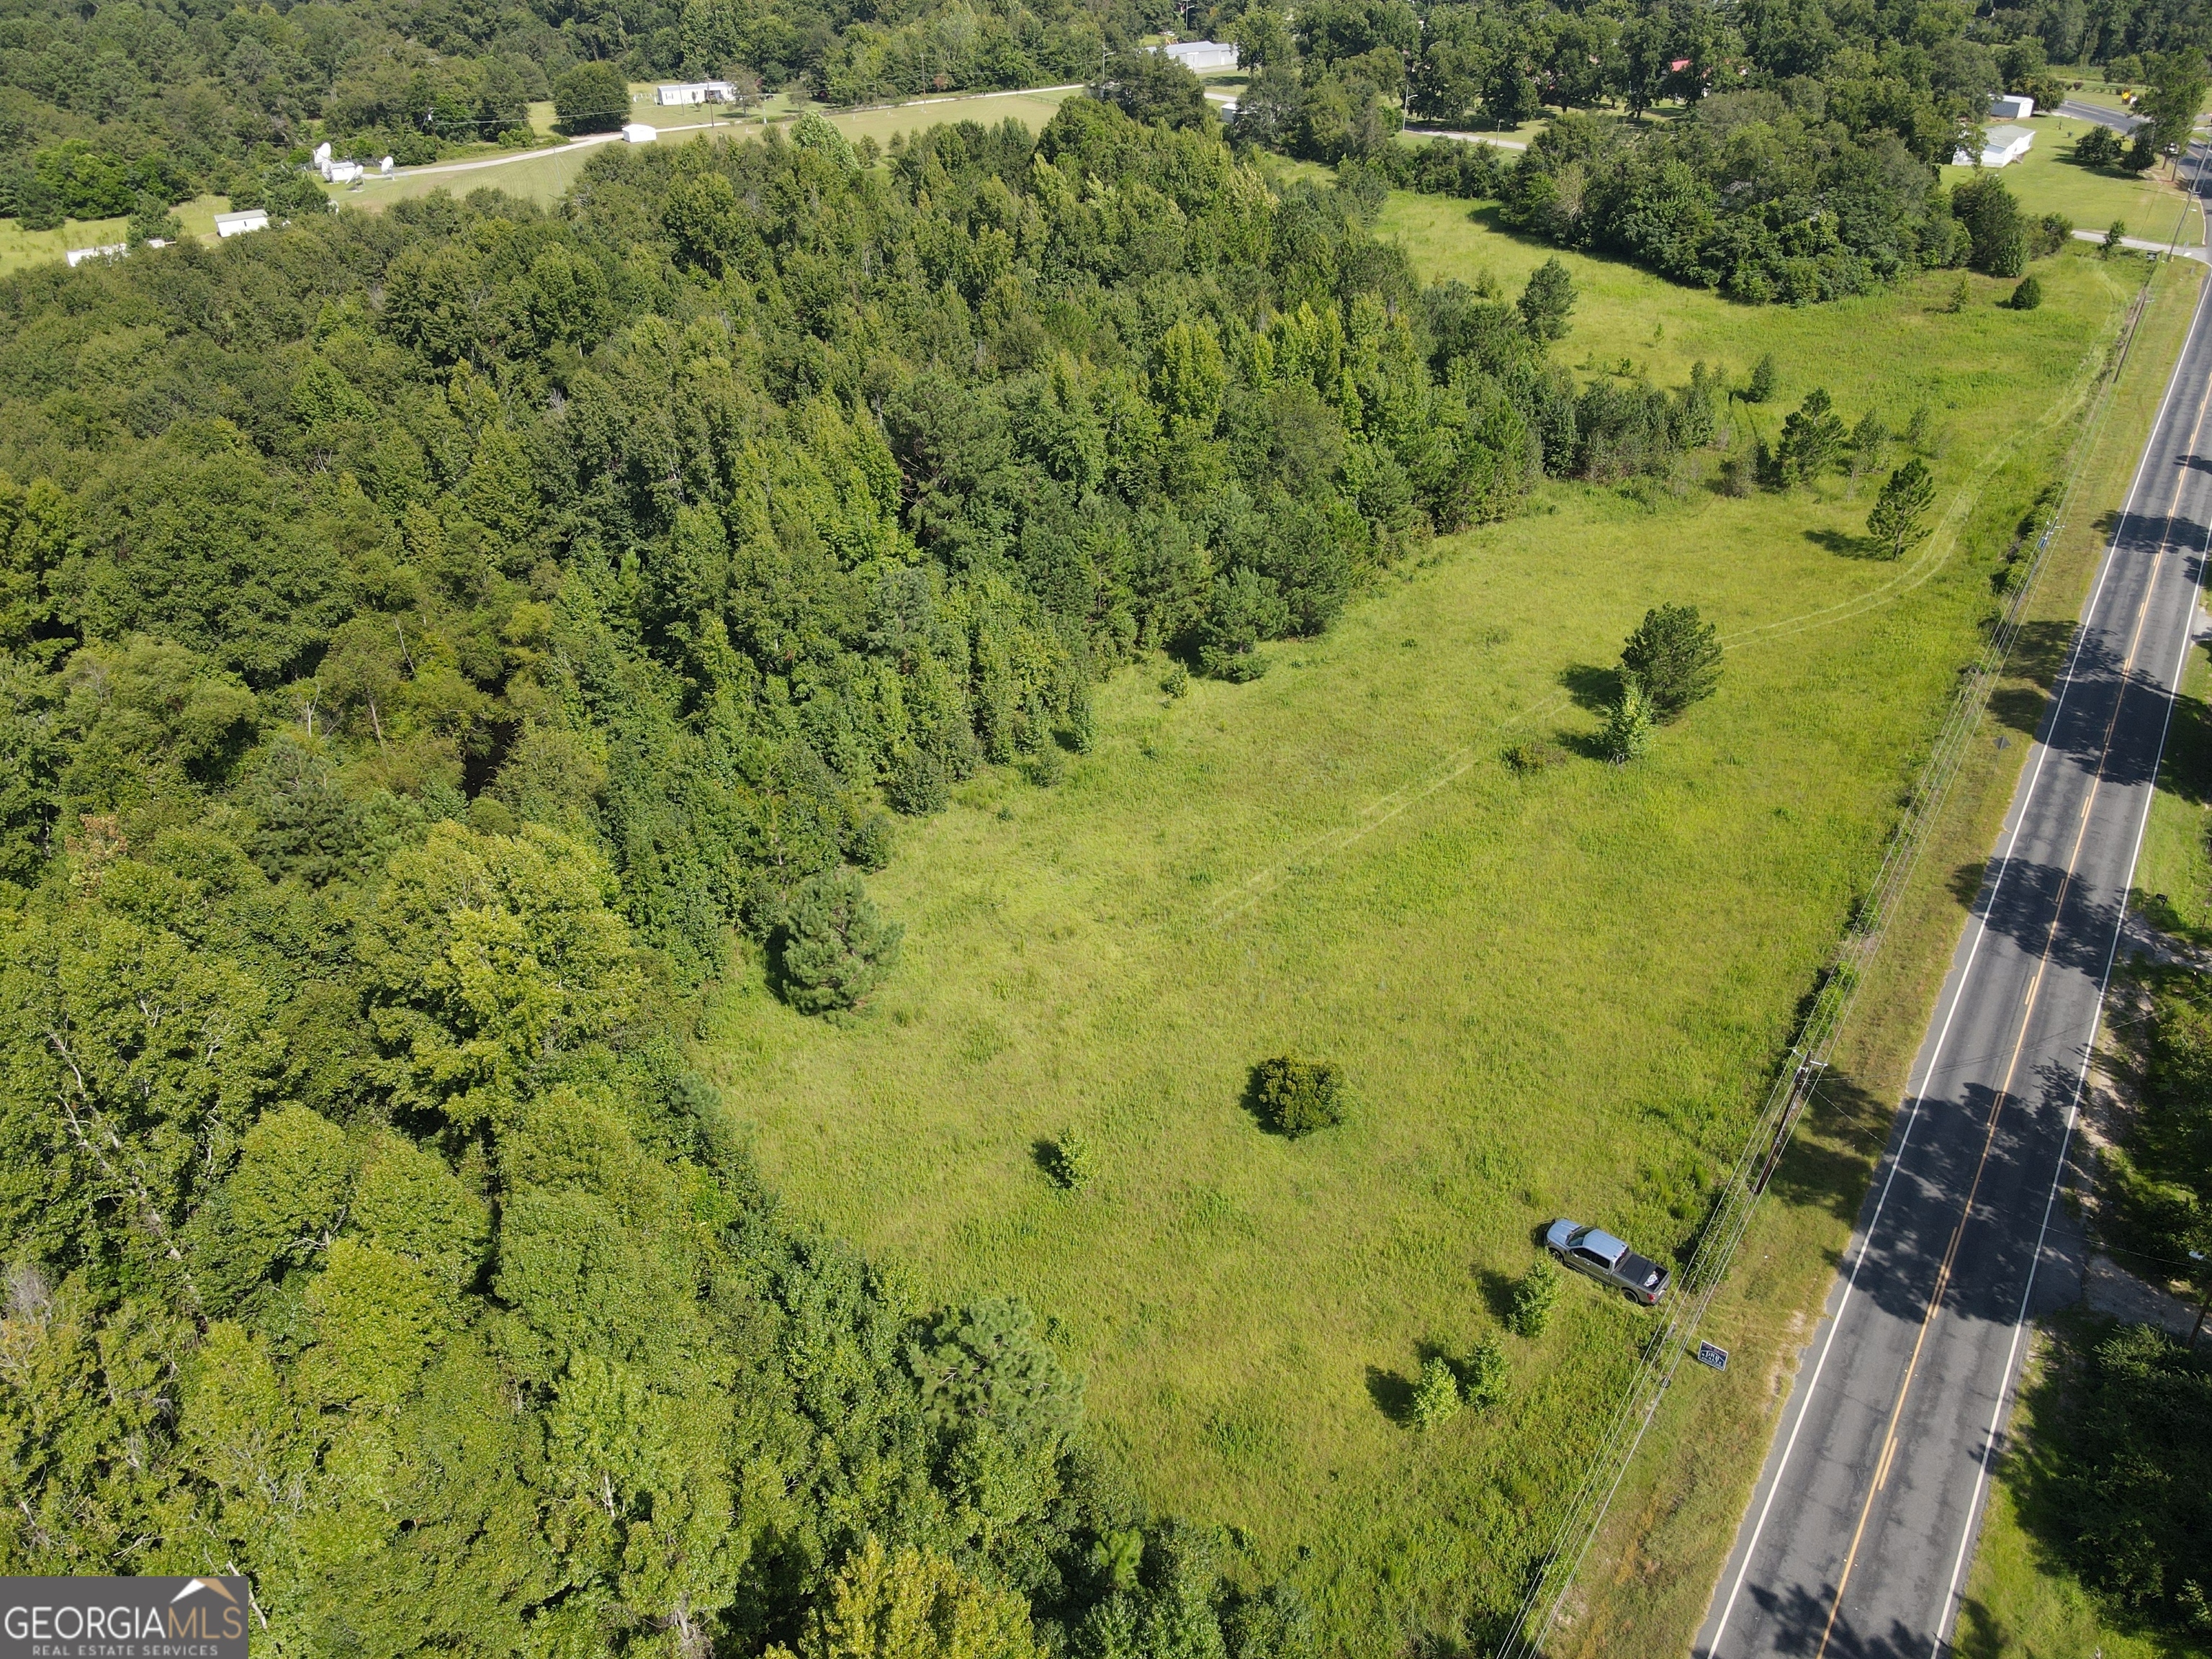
<point x="1202" y="57"/>
<point x="344" y="172"/>
<point x="2011" y="106"/>
<point x="695" y="92"/>
<point x="77" y="255"/>
<point x="237" y="224"/>
<point x="636" y="132"/>
<point x="2001" y="147"/>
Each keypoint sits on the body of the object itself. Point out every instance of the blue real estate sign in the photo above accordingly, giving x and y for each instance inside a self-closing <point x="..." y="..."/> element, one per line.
<point x="1710" y="1355"/>
<point x="123" y="1618"/>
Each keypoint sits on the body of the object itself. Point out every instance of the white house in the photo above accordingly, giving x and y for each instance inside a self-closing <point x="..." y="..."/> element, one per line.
<point x="1203" y="56"/>
<point x="237" y="224"/>
<point x="636" y="132"/>
<point x="696" y="92"/>
<point x="77" y="255"/>
<point x="344" y="172"/>
<point x="2011" y="106"/>
<point x="2001" y="147"/>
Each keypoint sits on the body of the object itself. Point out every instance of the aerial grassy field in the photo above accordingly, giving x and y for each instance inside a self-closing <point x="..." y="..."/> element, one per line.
<point x="2046" y="181"/>
<point x="20" y="248"/>
<point x="544" y="176"/>
<point x="1556" y="993"/>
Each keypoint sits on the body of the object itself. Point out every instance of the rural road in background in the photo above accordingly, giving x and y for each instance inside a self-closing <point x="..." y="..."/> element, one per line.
<point x="1861" y="1529"/>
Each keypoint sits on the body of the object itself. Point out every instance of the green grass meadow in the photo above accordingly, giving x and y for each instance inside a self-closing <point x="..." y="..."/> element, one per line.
<point x="1553" y="993"/>
<point x="2046" y="181"/>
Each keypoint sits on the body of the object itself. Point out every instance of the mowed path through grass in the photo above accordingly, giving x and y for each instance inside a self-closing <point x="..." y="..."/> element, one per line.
<point x="1551" y="995"/>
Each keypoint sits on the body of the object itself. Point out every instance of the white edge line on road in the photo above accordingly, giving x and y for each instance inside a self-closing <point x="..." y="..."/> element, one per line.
<point x="1965" y="972"/>
<point x="1947" y="1611"/>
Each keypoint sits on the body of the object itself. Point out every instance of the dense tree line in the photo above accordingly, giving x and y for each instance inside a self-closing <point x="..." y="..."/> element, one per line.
<point x="1797" y="162"/>
<point x="426" y="638"/>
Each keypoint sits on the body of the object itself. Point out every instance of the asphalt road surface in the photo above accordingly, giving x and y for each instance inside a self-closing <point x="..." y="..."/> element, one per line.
<point x="1859" y="1535"/>
<point x="2119" y="120"/>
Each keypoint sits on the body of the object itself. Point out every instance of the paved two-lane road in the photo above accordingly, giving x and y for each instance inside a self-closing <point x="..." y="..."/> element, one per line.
<point x="1859" y="1534"/>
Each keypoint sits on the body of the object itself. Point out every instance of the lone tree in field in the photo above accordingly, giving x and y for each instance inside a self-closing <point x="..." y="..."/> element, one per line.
<point x="1901" y="512"/>
<point x="837" y="947"/>
<point x="1296" y="1097"/>
<point x="1548" y="300"/>
<point x="1674" y="656"/>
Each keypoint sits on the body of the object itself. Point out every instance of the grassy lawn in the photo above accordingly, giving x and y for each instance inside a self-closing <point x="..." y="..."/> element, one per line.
<point x="20" y="248"/>
<point x="2046" y="181"/>
<point x="1554" y="994"/>
<point x="545" y="176"/>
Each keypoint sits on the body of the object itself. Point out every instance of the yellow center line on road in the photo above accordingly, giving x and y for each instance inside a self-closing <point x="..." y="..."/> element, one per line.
<point x="1996" y="1105"/>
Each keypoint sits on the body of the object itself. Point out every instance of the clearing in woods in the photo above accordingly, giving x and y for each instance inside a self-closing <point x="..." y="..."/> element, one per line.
<point x="1552" y="993"/>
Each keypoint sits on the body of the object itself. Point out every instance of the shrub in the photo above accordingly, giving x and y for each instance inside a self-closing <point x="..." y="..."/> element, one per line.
<point x="918" y="785"/>
<point x="1483" y="1379"/>
<point x="1626" y="734"/>
<point x="1534" y="1298"/>
<point x="1296" y="1097"/>
<point x="2028" y="296"/>
<point x="869" y="845"/>
<point x="1532" y="755"/>
<point x="1176" y="681"/>
<point x="1049" y="766"/>
<point x="1674" y="656"/>
<point x="2099" y="147"/>
<point x="837" y="947"/>
<point x="1082" y="720"/>
<point x="592" y="98"/>
<point x="1069" y="1162"/>
<point x="1436" y="1396"/>
<point x="1760" y="386"/>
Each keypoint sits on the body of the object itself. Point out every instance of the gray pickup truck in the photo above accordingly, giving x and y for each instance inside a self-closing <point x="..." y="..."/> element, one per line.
<point x="1607" y="1260"/>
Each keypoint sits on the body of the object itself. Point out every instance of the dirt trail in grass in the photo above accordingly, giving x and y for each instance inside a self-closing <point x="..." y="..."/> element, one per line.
<point x="1938" y="552"/>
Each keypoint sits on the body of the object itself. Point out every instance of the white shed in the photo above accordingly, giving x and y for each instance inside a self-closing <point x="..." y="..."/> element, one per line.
<point x="636" y="132"/>
<point x="237" y="224"/>
<point x="77" y="255"/>
<point x="2011" y="106"/>
<point x="1203" y="56"/>
<point x="2001" y="147"/>
<point x="344" y="172"/>
<point x="696" y="92"/>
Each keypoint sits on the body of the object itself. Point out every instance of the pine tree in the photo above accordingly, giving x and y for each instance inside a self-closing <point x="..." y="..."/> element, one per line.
<point x="1901" y="512"/>
<point x="1674" y="658"/>
<point x="836" y="949"/>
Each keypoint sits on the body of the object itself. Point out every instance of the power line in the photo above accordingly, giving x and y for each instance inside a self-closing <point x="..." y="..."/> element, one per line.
<point x="1798" y="1082"/>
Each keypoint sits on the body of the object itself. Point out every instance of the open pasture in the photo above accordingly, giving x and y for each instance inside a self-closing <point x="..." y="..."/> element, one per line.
<point x="1556" y="993"/>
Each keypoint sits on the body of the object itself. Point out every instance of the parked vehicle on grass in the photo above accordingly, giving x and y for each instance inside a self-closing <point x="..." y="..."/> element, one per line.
<point x="1607" y="1260"/>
